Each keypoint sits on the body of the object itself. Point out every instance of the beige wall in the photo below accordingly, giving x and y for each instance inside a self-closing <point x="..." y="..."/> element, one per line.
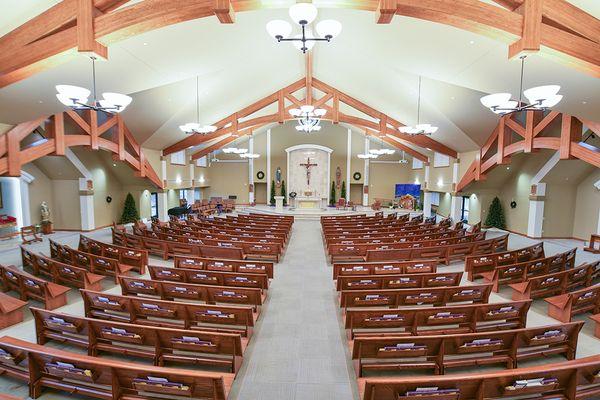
<point x="587" y="207"/>
<point x="66" y="204"/>
<point x="229" y="179"/>
<point x="383" y="179"/>
<point x="40" y="190"/>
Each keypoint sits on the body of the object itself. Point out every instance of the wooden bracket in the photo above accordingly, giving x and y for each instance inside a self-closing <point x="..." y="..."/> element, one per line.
<point x="223" y="9"/>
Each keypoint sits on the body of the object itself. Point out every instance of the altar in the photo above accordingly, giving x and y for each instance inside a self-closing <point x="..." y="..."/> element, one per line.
<point x="309" y="203"/>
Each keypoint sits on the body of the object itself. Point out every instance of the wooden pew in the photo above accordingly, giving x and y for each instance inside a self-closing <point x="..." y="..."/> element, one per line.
<point x="391" y="238"/>
<point x="187" y="291"/>
<point x="162" y="345"/>
<point x="42" y="367"/>
<point x="520" y="272"/>
<point x="384" y="268"/>
<point x="224" y="236"/>
<point x="431" y="296"/>
<point x="11" y="312"/>
<point x="169" y="314"/>
<point x="574" y="379"/>
<point x="564" y="306"/>
<point x="436" y="320"/>
<point x="217" y="278"/>
<point x="398" y="281"/>
<point x="439" y="353"/>
<point x="225" y="265"/>
<point x="91" y="262"/>
<point x="135" y="257"/>
<point x="32" y="287"/>
<point x="477" y="264"/>
<point x="555" y="283"/>
<point x="594" y="244"/>
<point x="442" y="253"/>
<point x="59" y="272"/>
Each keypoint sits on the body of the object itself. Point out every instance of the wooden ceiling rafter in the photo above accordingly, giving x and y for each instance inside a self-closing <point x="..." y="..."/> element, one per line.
<point x="112" y="135"/>
<point x="379" y="122"/>
<point x="569" y="144"/>
<point x="566" y="33"/>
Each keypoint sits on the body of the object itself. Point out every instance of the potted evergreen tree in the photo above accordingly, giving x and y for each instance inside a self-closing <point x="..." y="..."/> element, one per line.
<point x="283" y="193"/>
<point x="495" y="215"/>
<point x="332" y="195"/>
<point x="343" y="191"/>
<point x="130" y="212"/>
<point x="272" y="195"/>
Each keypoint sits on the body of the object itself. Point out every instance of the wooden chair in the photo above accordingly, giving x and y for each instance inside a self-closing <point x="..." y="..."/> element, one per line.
<point x="29" y="234"/>
<point x="341" y="204"/>
<point x="42" y="366"/>
<point x="376" y="205"/>
<point x="594" y="245"/>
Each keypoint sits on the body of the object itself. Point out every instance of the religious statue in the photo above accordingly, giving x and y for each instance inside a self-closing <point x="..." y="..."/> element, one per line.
<point x="338" y="177"/>
<point x="45" y="211"/>
<point x="278" y="177"/>
<point x="308" y="165"/>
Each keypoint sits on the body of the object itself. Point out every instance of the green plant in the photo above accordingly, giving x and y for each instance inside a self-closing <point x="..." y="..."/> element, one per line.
<point x="130" y="212"/>
<point x="343" y="191"/>
<point x="495" y="215"/>
<point x="332" y="194"/>
<point x="272" y="199"/>
<point x="283" y="193"/>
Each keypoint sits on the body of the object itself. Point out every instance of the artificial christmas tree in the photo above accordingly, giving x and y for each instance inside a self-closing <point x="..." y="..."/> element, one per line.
<point x="495" y="215"/>
<point x="332" y="194"/>
<point x="343" y="191"/>
<point x="272" y="199"/>
<point x="283" y="193"/>
<point x="130" y="212"/>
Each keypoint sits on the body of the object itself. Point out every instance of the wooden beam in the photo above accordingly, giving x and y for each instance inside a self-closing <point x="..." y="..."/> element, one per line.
<point x="386" y="9"/>
<point x="59" y="133"/>
<point x="532" y="119"/>
<point x="573" y="18"/>
<point x="571" y="131"/>
<point x="221" y="143"/>
<point x="503" y="141"/>
<point x="531" y="35"/>
<point x="86" y="41"/>
<point x="281" y="107"/>
<point x="309" y="77"/>
<point x="120" y="138"/>
<point x="79" y="121"/>
<point x="224" y="11"/>
<point x="93" y="119"/>
<point x="395" y="143"/>
<point x="547" y="120"/>
<point x="336" y="108"/>
<point x="515" y="126"/>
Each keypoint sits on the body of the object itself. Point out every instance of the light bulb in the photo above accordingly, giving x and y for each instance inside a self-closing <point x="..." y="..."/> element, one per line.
<point x="303" y="13"/>
<point x="279" y="28"/>
<point x="329" y="28"/>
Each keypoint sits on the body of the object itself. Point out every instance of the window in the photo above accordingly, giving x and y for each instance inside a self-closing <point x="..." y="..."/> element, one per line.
<point x="435" y="198"/>
<point x="181" y="194"/>
<point x="202" y="162"/>
<point x="154" y="204"/>
<point x="178" y="158"/>
<point x="440" y="160"/>
<point x="417" y="164"/>
<point x="464" y="213"/>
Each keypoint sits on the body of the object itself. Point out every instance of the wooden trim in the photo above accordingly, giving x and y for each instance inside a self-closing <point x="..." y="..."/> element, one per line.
<point x="570" y="132"/>
<point x="566" y="33"/>
<point x="532" y="29"/>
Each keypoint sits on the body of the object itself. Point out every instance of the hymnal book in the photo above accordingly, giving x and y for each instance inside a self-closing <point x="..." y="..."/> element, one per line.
<point x="201" y="276"/>
<point x="67" y="270"/>
<point x="137" y="284"/>
<point x="228" y="293"/>
<point x="431" y="391"/>
<point x="468" y="291"/>
<point x="483" y="342"/>
<point x="6" y="355"/>
<point x="180" y="289"/>
<point x="587" y="295"/>
<point x="150" y="306"/>
<point x="523" y="383"/>
<point x="105" y="300"/>
<point x="213" y="312"/>
<point x="165" y="272"/>
<point x="371" y="296"/>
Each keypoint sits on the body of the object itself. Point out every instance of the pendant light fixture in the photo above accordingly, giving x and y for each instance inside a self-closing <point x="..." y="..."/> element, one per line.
<point x="303" y="14"/>
<point x="192" y="128"/>
<point x="419" y="128"/>
<point x="76" y="97"/>
<point x="540" y="98"/>
<point x="234" y="150"/>
<point x="381" y="150"/>
<point x="308" y="118"/>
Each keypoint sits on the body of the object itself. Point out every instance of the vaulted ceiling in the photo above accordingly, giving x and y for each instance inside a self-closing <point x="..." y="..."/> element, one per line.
<point x="239" y="63"/>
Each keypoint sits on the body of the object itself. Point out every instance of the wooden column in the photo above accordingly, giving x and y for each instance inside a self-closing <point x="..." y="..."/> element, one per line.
<point x="570" y="132"/>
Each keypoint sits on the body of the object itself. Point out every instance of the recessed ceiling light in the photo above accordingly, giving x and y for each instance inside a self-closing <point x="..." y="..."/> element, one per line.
<point x="507" y="167"/>
<point x="40" y="101"/>
<point x="114" y="165"/>
<point x="452" y="98"/>
<point x="472" y="42"/>
<point x="584" y="102"/>
<point x="145" y="44"/>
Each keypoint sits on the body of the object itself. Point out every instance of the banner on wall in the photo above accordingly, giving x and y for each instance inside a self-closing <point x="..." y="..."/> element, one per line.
<point x="403" y="189"/>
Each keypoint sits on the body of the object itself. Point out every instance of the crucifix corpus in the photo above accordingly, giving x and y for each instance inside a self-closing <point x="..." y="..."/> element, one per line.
<point x="308" y="165"/>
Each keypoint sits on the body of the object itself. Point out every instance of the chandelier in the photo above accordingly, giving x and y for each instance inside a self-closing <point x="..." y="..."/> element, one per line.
<point x="249" y="155"/>
<point x="540" y="98"/>
<point x="367" y="156"/>
<point x="234" y="150"/>
<point x="195" y="127"/>
<point x="304" y="14"/>
<point x="76" y="97"/>
<point x="308" y="117"/>
<point x="419" y="128"/>
<point x="381" y="151"/>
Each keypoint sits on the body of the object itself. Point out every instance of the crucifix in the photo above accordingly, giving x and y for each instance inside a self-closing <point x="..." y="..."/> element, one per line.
<point x="308" y="165"/>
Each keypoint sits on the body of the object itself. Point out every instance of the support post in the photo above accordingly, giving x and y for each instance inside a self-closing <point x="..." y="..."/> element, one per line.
<point x="535" y="223"/>
<point x="269" y="166"/>
<point x="251" y="171"/>
<point x="426" y="203"/>
<point x="86" y="204"/>
<point x="366" y="174"/>
<point x="348" y="163"/>
<point x="455" y="207"/>
<point x="162" y="205"/>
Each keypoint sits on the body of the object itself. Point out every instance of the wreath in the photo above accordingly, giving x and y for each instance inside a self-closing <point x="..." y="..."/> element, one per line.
<point x="108" y="199"/>
<point x="260" y="175"/>
<point x="293" y="195"/>
<point x="513" y="204"/>
<point x="357" y="176"/>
